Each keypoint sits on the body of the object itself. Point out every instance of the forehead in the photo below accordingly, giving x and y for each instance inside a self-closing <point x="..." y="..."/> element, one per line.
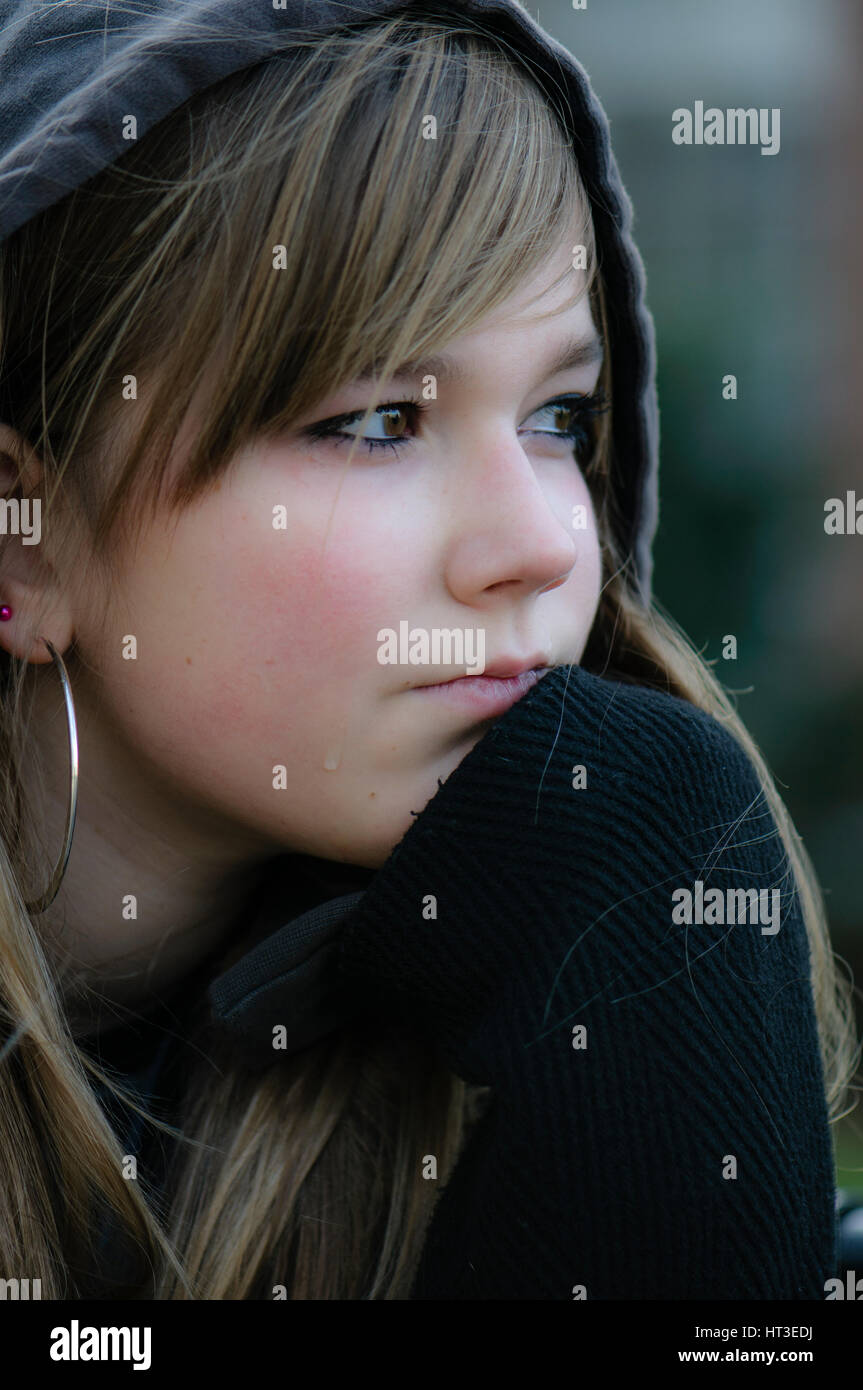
<point x="541" y="304"/>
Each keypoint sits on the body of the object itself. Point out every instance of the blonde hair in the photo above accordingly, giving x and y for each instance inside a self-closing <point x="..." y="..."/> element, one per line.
<point x="306" y="1176"/>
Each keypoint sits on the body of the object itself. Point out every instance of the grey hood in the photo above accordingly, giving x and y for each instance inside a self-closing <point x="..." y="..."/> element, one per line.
<point x="70" y="72"/>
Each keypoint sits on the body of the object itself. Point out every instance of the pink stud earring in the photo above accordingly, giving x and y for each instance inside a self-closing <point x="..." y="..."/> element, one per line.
<point x="5" y="612"/>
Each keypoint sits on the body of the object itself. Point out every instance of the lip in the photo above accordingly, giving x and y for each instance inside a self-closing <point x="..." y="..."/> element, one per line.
<point x="515" y="666"/>
<point x="489" y="694"/>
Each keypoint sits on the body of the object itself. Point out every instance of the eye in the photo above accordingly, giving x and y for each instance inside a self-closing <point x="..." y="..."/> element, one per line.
<point x="572" y="415"/>
<point x="388" y="419"/>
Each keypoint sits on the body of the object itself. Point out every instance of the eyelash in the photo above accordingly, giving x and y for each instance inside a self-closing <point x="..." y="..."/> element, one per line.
<point x="585" y="408"/>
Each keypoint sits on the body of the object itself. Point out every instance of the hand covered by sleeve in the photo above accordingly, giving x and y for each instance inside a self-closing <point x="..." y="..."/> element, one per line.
<point x="658" y="1127"/>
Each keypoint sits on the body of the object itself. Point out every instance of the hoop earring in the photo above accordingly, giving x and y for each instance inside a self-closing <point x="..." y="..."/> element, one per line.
<point x="40" y="904"/>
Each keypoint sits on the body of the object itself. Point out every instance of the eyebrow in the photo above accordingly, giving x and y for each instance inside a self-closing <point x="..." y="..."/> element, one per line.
<point x="575" y="352"/>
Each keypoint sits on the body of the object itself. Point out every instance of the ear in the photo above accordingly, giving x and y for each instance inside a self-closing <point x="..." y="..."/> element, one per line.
<point x="27" y="581"/>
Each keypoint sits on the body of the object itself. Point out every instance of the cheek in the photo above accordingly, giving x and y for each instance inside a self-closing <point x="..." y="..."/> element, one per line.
<point x="589" y="542"/>
<point x="249" y="635"/>
<point x="583" y="587"/>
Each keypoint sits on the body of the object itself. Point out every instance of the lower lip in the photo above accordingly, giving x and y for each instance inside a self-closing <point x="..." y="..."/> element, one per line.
<point x="491" y="694"/>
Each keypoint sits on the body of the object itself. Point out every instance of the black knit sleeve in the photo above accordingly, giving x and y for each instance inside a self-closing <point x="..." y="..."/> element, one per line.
<point x="595" y="917"/>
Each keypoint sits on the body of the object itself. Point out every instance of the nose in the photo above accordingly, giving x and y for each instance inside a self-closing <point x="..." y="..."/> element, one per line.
<point x="506" y="535"/>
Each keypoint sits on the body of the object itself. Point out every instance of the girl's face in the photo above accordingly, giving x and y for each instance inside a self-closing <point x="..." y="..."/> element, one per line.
<point x="257" y="703"/>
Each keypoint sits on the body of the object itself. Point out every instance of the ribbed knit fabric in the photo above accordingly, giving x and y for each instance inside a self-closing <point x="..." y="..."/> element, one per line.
<point x="682" y="1151"/>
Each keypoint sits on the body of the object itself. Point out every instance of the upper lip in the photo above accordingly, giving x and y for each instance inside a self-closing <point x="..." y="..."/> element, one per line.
<point x="514" y="666"/>
<point x="502" y="668"/>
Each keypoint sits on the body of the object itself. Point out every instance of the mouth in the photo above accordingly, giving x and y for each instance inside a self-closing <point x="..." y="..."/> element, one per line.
<point x="489" y="694"/>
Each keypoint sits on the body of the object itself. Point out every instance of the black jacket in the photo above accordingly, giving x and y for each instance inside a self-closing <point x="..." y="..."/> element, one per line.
<point x="658" y="1127"/>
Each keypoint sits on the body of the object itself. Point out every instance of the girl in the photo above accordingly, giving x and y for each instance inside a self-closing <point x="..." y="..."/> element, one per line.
<point x="427" y="925"/>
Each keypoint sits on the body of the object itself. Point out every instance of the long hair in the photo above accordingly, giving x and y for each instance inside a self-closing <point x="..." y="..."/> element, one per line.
<point x="304" y="1179"/>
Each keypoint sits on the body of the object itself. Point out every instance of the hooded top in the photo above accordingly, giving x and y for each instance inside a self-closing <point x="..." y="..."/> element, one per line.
<point x="657" y="1125"/>
<point x="70" y="73"/>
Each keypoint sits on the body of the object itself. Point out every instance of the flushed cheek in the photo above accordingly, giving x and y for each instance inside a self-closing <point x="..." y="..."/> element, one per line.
<point x="321" y="587"/>
<point x="271" y="664"/>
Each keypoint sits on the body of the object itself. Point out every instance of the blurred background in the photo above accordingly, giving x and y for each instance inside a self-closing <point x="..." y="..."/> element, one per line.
<point x="755" y="267"/>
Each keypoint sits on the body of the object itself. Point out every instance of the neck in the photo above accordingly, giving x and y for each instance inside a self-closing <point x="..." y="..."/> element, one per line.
<point x="154" y="884"/>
